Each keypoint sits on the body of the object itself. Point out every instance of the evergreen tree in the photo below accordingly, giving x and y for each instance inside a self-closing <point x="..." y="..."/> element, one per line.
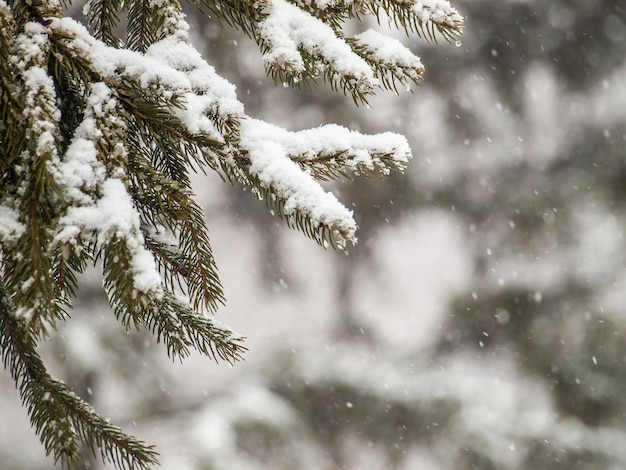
<point x="98" y="134"/>
<point x="525" y="368"/>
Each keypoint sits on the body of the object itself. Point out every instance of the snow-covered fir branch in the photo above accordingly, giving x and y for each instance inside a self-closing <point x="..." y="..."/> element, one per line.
<point x="99" y="133"/>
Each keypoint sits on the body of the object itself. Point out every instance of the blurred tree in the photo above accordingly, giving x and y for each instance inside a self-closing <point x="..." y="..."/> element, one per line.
<point x="520" y="153"/>
<point x="524" y="152"/>
<point x="98" y="135"/>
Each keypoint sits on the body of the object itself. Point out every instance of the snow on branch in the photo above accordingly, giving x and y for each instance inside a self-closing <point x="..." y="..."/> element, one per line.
<point x="99" y="202"/>
<point x="286" y="163"/>
<point x="335" y="147"/>
<point x="304" y="41"/>
<point x="299" y="193"/>
<point x="426" y="17"/>
<point x="389" y="57"/>
<point x="210" y="98"/>
<point x="297" y="44"/>
<point x="174" y="69"/>
<point x="439" y="12"/>
<point x="11" y="229"/>
<point x="103" y="213"/>
<point x="35" y="144"/>
<point x="98" y="135"/>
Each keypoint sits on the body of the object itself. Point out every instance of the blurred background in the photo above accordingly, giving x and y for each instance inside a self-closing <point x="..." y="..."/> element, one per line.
<point x="480" y="321"/>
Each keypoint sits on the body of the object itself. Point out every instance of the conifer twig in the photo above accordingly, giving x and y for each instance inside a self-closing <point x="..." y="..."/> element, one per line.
<point x="61" y="419"/>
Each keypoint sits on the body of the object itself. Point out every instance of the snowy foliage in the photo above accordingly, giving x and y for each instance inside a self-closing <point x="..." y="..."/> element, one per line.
<point x="98" y="135"/>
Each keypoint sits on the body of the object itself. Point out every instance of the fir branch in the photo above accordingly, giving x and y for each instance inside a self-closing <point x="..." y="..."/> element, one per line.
<point x="167" y="198"/>
<point x="296" y="198"/>
<point x="168" y="201"/>
<point x="96" y="144"/>
<point x="237" y="171"/>
<point x="71" y="89"/>
<point x="103" y="17"/>
<point x="297" y="45"/>
<point x="173" y="265"/>
<point x="141" y="27"/>
<point x="81" y="178"/>
<point x="39" y="11"/>
<point x="61" y="419"/>
<point x="150" y="21"/>
<point x="69" y="260"/>
<point x="241" y="14"/>
<point x="203" y="283"/>
<point x="152" y="112"/>
<point x="391" y="61"/>
<point x="192" y="105"/>
<point x="128" y="299"/>
<point x="157" y="196"/>
<point x="280" y="166"/>
<point x="424" y="19"/>
<point x="330" y="151"/>
<point x="207" y="335"/>
<point x="173" y="146"/>
<point x="324" y="166"/>
<point x="28" y="271"/>
<point x="334" y="233"/>
<point x="153" y="118"/>
<point x="11" y="132"/>
<point x="169" y="319"/>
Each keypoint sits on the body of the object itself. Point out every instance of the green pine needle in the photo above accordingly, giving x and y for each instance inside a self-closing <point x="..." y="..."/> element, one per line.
<point x="56" y="97"/>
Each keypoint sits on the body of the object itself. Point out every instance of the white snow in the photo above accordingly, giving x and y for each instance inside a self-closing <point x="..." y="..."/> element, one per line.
<point x="40" y="92"/>
<point x="170" y="66"/>
<point x="114" y="216"/>
<point x="439" y="12"/>
<point x="355" y="148"/>
<point x="174" y="22"/>
<point x="391" y="53"/>
<point x="271" y="164"/>
<point x="176" y="70"/>
<point x="207" y="95"/>
<point x="100" y="203"/>
<point x="41" y="113"/>
<point x="273" y="153"/>
<point x="288" y="28"/>
<point x="29" y="45"/>
<point x="11" y="229"/>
